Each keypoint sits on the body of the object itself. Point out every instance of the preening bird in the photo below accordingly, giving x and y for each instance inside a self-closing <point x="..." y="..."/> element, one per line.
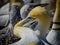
<point x="54" y="35"/>
<point x="37" y="19"/>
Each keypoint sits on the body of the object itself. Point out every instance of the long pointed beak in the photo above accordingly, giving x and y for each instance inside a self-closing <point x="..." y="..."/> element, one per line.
<point x="30" y="22"/>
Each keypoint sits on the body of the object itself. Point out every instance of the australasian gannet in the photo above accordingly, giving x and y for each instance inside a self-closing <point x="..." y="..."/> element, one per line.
<point x="39" y="16"/>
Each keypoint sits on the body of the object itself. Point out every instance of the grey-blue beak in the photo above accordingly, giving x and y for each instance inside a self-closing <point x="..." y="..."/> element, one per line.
<point x="30" y="22"/>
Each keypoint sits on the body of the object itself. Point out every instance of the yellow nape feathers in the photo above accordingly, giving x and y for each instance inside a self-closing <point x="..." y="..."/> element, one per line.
<point x="41" y="14"/>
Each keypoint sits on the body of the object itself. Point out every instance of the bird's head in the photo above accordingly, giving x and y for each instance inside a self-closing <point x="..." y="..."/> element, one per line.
<point x="40" y="14"/>
<point x="43" y="18"/>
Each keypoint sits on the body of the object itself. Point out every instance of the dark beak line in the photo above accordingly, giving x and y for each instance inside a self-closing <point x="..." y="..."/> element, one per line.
<point x="28" y="19"/>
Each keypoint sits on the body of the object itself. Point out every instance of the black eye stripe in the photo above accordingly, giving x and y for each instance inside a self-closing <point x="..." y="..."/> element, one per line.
<point x="34" y="24"/>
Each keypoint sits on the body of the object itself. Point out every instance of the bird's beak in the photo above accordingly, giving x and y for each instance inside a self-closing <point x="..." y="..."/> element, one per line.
<point x="30" y="22"/>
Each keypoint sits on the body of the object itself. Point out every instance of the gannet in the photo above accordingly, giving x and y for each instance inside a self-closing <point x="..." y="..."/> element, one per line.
<point x="28" y="35"/>
<point x="37" y="19"/>
<point x="54" y="35"/>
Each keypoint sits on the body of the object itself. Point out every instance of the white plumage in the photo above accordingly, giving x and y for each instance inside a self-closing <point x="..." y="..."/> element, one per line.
<point x="4" y="19"/>
<point x="24" y="11"/>
<point x="5" y="9"/>
<point x="27" y="36"/>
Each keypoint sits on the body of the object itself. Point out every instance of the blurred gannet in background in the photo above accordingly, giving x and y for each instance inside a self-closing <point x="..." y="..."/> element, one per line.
<point x="4" y="19"/>
<point x="5" y="9"/>
<point x="37" y="19"/>
<point x="15" y="11"/>
<point x="5" y="30"/>
<point x="24" y="11"/>
<point x="54" y="35"/>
